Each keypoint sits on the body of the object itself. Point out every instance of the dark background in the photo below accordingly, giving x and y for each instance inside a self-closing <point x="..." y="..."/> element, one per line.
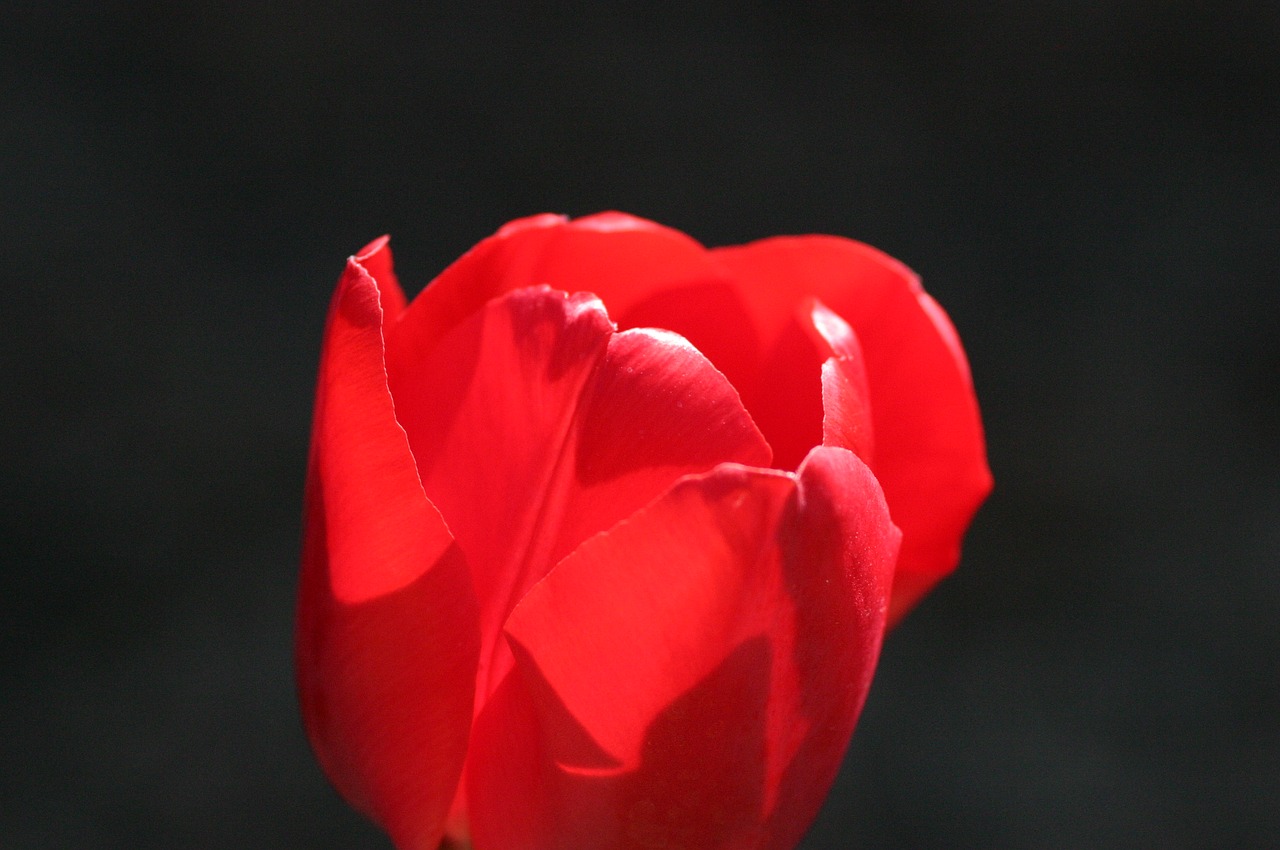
<point x="1090" y="189"/>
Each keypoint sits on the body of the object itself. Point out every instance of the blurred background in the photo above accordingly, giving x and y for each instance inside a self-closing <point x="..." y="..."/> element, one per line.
<point x="1090" y="189"/>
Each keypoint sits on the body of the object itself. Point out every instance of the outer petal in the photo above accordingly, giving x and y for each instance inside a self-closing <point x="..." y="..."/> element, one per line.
<point x="930" y="455"/>
<point x="376" y="259"/>
<point x="691" y="677"/>
<point x="387" y="634"/>
<point x="535" y="426"/>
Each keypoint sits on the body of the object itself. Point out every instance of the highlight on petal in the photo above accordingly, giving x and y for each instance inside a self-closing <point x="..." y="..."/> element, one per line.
<point x="709" y="312"/>
<point x="846" y="400"/>
<point x="930" y="455"/>
<point x="691" y="677"/>
<point x="387" y="635"/>
<point x="535" y="425"/>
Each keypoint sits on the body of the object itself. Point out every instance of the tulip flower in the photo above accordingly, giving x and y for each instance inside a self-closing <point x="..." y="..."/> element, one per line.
<point x="604" y="530"/>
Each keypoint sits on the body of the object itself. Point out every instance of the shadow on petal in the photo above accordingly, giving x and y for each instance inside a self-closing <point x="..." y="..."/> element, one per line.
<point x="699" y="783"/>
<point x="386" y="689"/>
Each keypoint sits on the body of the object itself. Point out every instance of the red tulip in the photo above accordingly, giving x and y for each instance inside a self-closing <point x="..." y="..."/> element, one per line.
<point x="572" y="581"/>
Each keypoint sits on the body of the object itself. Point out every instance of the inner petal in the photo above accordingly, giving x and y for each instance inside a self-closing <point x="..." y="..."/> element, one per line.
<point x="534" y="426"/>
<point x="801" y="377"/>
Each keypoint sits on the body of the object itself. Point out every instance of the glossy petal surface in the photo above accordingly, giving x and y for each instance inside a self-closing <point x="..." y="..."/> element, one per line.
<point x="691" y="677"/>
<point x="930" y="455"/>
<point x="535" y="425"/>
<point x="387" y="636"/>
<point x="846" y="399"/>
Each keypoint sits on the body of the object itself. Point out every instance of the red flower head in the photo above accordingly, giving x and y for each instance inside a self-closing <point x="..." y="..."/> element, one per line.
<point x="601" y="530"/>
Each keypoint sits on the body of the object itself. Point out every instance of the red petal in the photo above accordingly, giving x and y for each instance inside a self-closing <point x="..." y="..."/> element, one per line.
<point x="617" y="257"/>
<point x="657" y="410"/>
<point x="710" y="313"/>
<point x="535" y="426"/>
<point x="810" y="388"/>
<point x="691" y="677"/>
<point x="648" y="276"/>
<point x="376" y="260"/>
<point x="930" y="456"/>
<point x="736" y="306"/>
<point x="387" y="633"/>
<point x="839" y="563"/>
<point x="846" y="401"/>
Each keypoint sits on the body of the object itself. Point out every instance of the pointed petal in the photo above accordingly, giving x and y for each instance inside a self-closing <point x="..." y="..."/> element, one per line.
<point x="376" y="260"/>
<point x="535" y="426"/>
<point x="691" y="677"/>
<point x="846" y="400"/>
<point x="930" y="455"/>
<point x="387" y="635"/>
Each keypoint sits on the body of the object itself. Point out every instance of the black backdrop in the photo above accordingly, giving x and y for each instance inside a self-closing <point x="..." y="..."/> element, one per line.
<point x="1090" y="189"/>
